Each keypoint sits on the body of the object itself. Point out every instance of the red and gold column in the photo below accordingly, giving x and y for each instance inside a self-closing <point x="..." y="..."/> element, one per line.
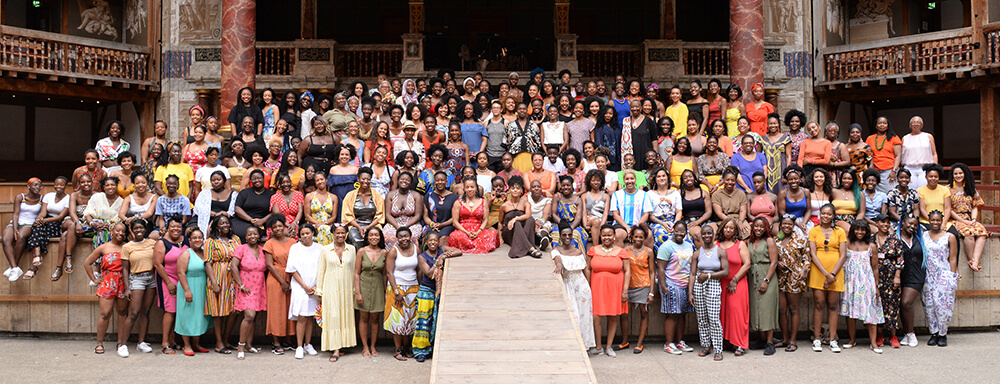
<point x="746" y="43"/>
<point x="239" y="25"/>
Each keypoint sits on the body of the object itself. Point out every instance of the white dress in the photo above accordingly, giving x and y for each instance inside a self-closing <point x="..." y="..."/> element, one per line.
<point x="305" y="261"/>
<point x="578" y="290"/>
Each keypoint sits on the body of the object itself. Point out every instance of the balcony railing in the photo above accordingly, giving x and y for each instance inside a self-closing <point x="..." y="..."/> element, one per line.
<point x="610" y="60"/>
<point x="923" y="54"/>
<point x="369" y="60"/>
<point x="991" y="40"/>
<point x="74" y="57"/>
<point x="707" y="60"/>
<point x="275" y="60"/>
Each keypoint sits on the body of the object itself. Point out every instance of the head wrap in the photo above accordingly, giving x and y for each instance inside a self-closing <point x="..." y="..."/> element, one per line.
<point x="198" y="108"/>
<point x="33" y="180"/>
<point x="755" y="85"/>
<point x="653" y="86"/>
<point x="307" y="93"/>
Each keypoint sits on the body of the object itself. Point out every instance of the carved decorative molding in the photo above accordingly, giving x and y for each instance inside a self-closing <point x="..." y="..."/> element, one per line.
<point x="416" y="16"/>
<point x="314" y="54"/>
<point x="562" y="17"/>
<point x="664" y="54"/>
<point x="208" y="54"/>
<point x="772" y="54"/>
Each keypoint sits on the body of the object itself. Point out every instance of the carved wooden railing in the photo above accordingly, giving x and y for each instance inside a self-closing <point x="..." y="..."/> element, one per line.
<point x="610" y="60"/>
<point x="275" y="60"/>
<point x="991" y="40"/>
<point x="706" y="60"/>
<point x="369" y="60"/>
<point x="54" y="54"/>
<point x="922" y="54"/>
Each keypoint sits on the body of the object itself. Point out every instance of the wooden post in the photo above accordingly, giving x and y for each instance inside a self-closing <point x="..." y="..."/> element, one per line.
<point x="147" y="117"/>
<point x="416" y="17"/>
<point x="153" y="35"/>
<point x="308" y="19"/>
<point x="989" y="152"/>
<point x="561" y="15"/>
<point x="668" y="24"/>
<point x="979" y="14"/>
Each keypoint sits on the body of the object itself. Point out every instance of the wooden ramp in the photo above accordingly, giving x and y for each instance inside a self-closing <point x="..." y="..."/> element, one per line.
<point x="505" y="320"/>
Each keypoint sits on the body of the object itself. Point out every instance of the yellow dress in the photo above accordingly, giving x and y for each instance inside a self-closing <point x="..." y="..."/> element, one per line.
<point x="845" y="207"/>
<point x="335" y="286"/>
<point x="732" y="116"/>
<point x="679" y="115"/>
<point x="322" y="211"/>
<point x="236" y="177"/>
<point x="677" y="168"/>
<point x="828" y="253"/>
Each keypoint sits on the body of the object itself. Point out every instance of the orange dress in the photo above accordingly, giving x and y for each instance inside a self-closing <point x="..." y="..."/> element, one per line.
<point x="277" y="300"/>
<point x="758" y="116"/>
<point x="607" y="280"/>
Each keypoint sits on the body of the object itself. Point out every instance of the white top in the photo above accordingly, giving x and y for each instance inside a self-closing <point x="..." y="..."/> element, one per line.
<point x="538" y="207"/>
<point x="406" y="267"/>
<point x="52" y="207"/>
<point x="665" y="205"/>
<point x="306" y="128"/>
<point x="588" y="165"/>
<point x="917" y="149"/>
<point x="485" y="181"/>
<point x="610" y="178"/>
<point x="204" y="175"/>
<point x="571" y="263"/>
<point x="29" y="212"/>
<point x="305" y="261"/>
<point x="137" y="209"/>
<point x="556" y="167"/>
<point x="631" y="206"/>
<point x="553" y="132"/>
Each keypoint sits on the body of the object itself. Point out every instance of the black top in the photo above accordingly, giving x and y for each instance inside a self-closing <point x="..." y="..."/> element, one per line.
<point x="693" y="208"/>
<point x="440" y="208"/>
<point x="294" y="123"/>
<point x="240" y="111"/>
<point x="221" y="206"/>
<point x="914" y="273"/>
<point x="257" y="206"/>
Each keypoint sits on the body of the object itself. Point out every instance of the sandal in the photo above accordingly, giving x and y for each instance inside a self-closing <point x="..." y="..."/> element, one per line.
<point x="718" y="356"/>
<point x="57" y="274"/>
<point x="36" y="261"/>
<point x="409" y="354"/>
<point x="224" y="351"/>
<point x="535" y="253"/>
<point x="780" y="344"/>
<point x="30" y="274"/>
<point x="253" y="350"/>
<point x="740" y="351"/>
<point x="398" y="354"/>
<point x="704" y="352"/>
<point x="637" y="350"/>
<point x="792" y="347"/>
<point x="277" y="350"/>
<point x="168" y="351"/>
<point x="199" y="349"/>
<point x="333" y="358"/>
<point x="99" y="349"/>
<point x="69" y="264"/>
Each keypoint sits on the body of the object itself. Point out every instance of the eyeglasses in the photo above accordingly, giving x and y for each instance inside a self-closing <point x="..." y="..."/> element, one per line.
<point x="826" y="245"/>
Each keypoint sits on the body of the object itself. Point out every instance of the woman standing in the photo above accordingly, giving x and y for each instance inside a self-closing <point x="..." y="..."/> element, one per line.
<point x="431" y="266"/>
<point x="861" y="300"/>
<point x="137" y="265"/>
<point x="458" y="150"/>
<point x="758" y="110"/>
<point x="174" y="166"/>
<point x="437" y="153"/>
<point x="438" y="203"/>
<point x="382" y="172"/>
<point x="735" y="109"/>
<point x="523" y="138"/>
<point x="246" y="108"/>
<point x="401" y="298"/>
<point x="236" y="163"/>
<point x="303" y="263"/>
<point x="335" y="286"/>
<point x="203" y="177"/>
<point x="763" y="266"/>
<point x="902" y="200"/>
<point x="773" y="147"/>
<point x="609" y="275"/>
<point x="269" y="111"/>
<point x="890" y="269"/>
<point x="965" y="205"/>
<point x="111" y="288"/>
<point x="794" y="120"/>
<point x="886" y="150"/>
<point x="941" y="258"/>
<point x="159" y="137"/>
<point x="859" y="153"/>
<point x="748" y="161"/>
<point x="735" y="313"/>
<point x="253" y="205"/>
<point x="369" y="288"/>
<point x="156" y="155"/>
<point x="363" y="208"/>
<point x="248" y="270"/>
<point x="597" y="200"/>
<point x="320" y="147"/>
<point x="608" y="135"/>
<point x="473" y="234"/>
<point x="404" y="208"/>
<point x="322" y="210"/>
<point x="278" y="283"/>
<point x="496" y="127"/>
<point x="343" y="175"/>
<point x="554" y="131"/>
<point x="642" y="264"/>
<point x="713" y="162"/>
<point x="194" y="153"/>
<point x="698" y="104"/>
<point x="219" y="249"/>
<point x="197" y="116"/>
<point x="570" y="263"/>
<point x="165" y="255"/>
<point x="638" y="132"/>
<point x="814" y="152"/>
<point x="673" y="264"/>
<point x="192" y="283"/>
<point x="91" y="167"/>
<point x="705" y="293"/>
<point x="820" y="193"/>
<point x="696" y="211"/>
<point x="828" y="249"/>
<point x="287" y="202"/>
<point x="914" y="274"/>
<point x="793" y="271"/>
<point x="666" y="207"/>
<point x="111" y="146"/>
<point x="581" y="128"/>
<point x="917" y="150"/>
<point x="840" y="159"/>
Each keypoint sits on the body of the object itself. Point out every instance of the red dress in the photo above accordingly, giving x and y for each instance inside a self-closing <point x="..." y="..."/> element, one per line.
<point x="195" y="159"/>
<point x="735" y="309"/>
<point x="112" y="281"/>
<point x="289" y="209"/>
<point x="607" y="280"/>
<point x="758" y="116"/>
<point x="487" y="240"/>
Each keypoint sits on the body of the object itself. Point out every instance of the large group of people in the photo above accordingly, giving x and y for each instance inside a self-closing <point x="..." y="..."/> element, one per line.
<point x="311" y="213"/>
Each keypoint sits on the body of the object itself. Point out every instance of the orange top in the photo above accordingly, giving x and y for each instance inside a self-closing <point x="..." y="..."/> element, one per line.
<point x="639" y="272"/>
<point x="883" y="158"/>
<point x="546" y="180"/>
<point x="818" y="152"/>
<point x="758" y="116"/>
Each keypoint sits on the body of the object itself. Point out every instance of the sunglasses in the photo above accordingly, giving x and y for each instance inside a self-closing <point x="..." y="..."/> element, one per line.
<point x="826" y="245"/>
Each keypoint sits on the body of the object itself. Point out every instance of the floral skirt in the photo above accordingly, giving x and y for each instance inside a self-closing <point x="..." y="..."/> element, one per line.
<point x="401" y="320"/>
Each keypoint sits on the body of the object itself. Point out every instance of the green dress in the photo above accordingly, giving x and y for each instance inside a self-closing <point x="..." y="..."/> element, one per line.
<point x="191" y="319"/>
<point x="763" y="307"/>
<point x="372" y="283"/>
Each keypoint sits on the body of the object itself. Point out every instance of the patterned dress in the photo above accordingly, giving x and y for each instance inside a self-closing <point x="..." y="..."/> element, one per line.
<point x="578" y="291"/>
<point x="890" y="260"/>
<point x="456" y="160"/>
<point x="195" y="159"/>
<point x="793" y="258"/>
<point x="962" y="204"/>
<point x="287" y="208"/>
<point x="940" y="286"/>
<point x="732" y="118"/>
<point x="796" y="142"/>
<point x="774" y="152"/>
<point x="860" y="158"/>
<point x="487" y="241"/>
<point x="218" y="253"/>
<point x="321" y="211"/>
<point x="568" y="212"/>
<point x="499" y="197"/>
<point x="112" y="284"/>
<point x="860" y="299"/>
<point x="904" y="202"/>
<point x="252" y="272"/>
<point x="402" y="215"/>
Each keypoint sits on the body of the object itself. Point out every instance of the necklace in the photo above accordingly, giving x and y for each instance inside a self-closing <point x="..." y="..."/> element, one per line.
<point x="878" y="147"/>
<point x="607" y="250"/>
<point x="239" y="164"/>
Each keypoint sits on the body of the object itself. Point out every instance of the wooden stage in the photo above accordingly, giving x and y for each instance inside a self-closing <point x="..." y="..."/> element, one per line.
<point x="506" y="320"/>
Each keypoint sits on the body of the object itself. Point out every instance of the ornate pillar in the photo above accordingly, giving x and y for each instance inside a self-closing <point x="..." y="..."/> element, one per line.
<point x="746" y="43"/>
<point x="565" y="41"/>
<point x="416" y="16"/>
<point x="239" y="26"/>
<point x="413" y="42"/>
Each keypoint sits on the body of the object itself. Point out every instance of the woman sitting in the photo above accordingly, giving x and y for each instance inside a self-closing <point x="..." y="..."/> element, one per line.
<point x="126" y="164"/>
<point x="363" y="208"/>
<point x="219" y="200"/>
<point x="253" y="205"/>
<point x="965" y="205"/>
<point x="473" y="236"/>
<point x="404" y="208"/>
<point x="517" y="224"/>
<point x="321" y="208"/>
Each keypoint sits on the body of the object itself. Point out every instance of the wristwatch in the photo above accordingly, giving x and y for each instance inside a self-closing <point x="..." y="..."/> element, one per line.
<point x="766" y="280"/>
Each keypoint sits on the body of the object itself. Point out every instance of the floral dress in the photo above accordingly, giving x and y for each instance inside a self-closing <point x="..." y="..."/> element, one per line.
<point x="402" y="215"/>
<point x="890" y="260"/>
<point x="860" y="299"/>
<point x="904" y="202"/>
<point x="487" y="241"/>
<point x="252" y="272"/>
<point x="287" y="208"/>
<point x="218" y="253"/>
<point x="796" y="143"/>
<point x="793" y="258"/>
<point x="962" y="204"/>
<point x="196" y="159"/>
<point x="940" y="286"/>
<point x="112" y="281"/>
<point x="321" y="212"/>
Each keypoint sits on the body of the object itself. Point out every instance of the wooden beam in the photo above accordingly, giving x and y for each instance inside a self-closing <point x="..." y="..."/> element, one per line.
<point x="76" y="91"/>
<point x="978" y="293"/>
<point x="48" y="298"/>
<point x="921" y="79"/>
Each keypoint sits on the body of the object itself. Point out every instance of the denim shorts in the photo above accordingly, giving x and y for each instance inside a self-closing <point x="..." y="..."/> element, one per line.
<point x="142" y="280"/>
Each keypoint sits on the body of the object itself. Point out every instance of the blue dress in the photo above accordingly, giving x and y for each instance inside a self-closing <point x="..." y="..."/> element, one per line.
<point x="748" y="168"/>
<point x="472" y="135"/>
<point x="340" y="185"/>
<point x="610" y="138"/>
<point x="190" y="318"/>
<point x="568" y="212"/>
<point x="622" y="109"/>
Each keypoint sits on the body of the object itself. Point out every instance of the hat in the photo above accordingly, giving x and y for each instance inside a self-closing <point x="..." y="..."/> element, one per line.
<point x="409" y="125"/>
<point x="881" y="216"/>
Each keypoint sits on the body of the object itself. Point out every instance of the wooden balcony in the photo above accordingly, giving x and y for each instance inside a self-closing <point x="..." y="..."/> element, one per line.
<point x="369" y="60"/>
<point x="56" y="57"/>
<point x="951" y="52"/>
<point x="609" y="60"/>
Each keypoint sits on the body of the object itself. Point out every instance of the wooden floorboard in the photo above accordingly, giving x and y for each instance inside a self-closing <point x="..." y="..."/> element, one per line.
<point x="498" y="313"/>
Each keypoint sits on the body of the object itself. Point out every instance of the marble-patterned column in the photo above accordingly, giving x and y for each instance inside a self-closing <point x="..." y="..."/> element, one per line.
<point x="746" y="43"/>
<point x="239" y="36"/>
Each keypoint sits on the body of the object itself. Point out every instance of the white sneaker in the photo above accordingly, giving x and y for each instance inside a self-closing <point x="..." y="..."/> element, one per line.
<point x="684" y="347"/>
<point x="596" y="351"/>
<point x="912" y="340"/>
<point x="310" y="350"/>
<point x="7" y="272"/>
<point x="299" y="353"/>
<point x="144" y="347"/>
<point x="673" y="349"/>
<point x="877" y="350"/>
<point x="123" y="350"/>
<point x="817" y="345"/>
<point x="610" y="352"/>
<point x="15" y="274"/>
<point x="834" y="346"/>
